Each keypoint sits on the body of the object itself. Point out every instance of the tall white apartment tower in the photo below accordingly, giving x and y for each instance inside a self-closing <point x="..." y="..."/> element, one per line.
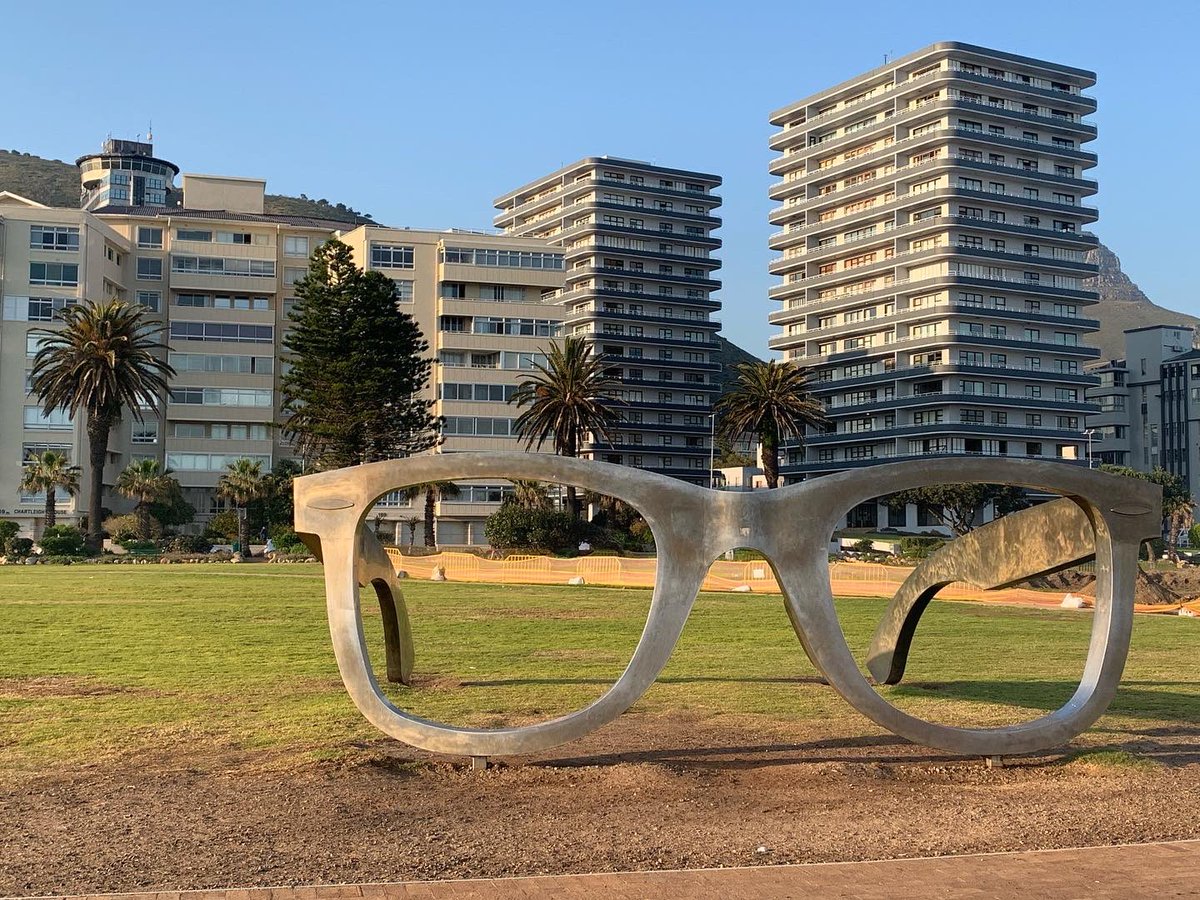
<point x="932" y="252"/>
<point x="639" y="244"/>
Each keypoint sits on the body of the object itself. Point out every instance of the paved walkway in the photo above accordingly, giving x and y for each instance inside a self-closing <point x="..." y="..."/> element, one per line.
<point x="1161" y="871"/>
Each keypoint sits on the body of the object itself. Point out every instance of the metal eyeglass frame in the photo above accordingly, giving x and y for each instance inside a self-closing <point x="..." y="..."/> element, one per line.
<point x="1100" y="516"/>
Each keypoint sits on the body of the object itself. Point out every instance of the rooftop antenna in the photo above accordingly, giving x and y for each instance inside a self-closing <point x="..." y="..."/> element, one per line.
<point x="150" y="132"/>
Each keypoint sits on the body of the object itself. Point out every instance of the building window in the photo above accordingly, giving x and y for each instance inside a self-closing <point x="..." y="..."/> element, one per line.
<point x="57" y="420"/>
<point x="223" y="331"/>
<point x="295" y="246"/>
<point x="43" y="309"/>
<point x="149" y="268"/>
<point x="152" y="300"/>
<point x="149" y="238"/>
<point x="215" y="265"/>
<point x="292" y="274"/>
<point x="244" y="397"/>
<point x="391" y="256"/>
<point x="54" y="274"/>
<point x="144" y="432"/>
<point x="53" y="237"/>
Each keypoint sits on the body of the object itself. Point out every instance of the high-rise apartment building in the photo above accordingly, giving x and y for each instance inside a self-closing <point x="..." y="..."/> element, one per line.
<point x="932" y="253"/>
<point x="639" y="285"/>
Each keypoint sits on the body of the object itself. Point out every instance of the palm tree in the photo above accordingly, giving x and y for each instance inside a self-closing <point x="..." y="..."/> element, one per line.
<point x="242" y="483"/>
<point x="530" y="494"/>
<point x="771" y="400"/>
<point x="433" y="491"/>
<point x="412" y="522"/>
<point x="146" y="483"/>
<point x="47" y="471"/>
<point x="101" y="362"/>
<point x="570" y="396"/>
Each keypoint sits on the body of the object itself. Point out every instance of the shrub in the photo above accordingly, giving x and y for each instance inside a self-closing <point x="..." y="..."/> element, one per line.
<point x="121" y="528"/>
<point x="189" y="543"/>
<point x="1193" y="536"/>
<point x="283" y="536"/>
<point x="920" y="547"/>
<point x="19" y="547"/>
<point x="223" y="527"/>
<point x="866" y="545"/>
<point x="8" y="533"/>
<point x="514" y="527"/>
<point x="62" y="540"/>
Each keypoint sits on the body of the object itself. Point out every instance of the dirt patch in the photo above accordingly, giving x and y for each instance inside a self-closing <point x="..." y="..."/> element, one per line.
<point x="1151" y="588"/>
<point x="43" y="686"/>
<point x="645" y="792"/>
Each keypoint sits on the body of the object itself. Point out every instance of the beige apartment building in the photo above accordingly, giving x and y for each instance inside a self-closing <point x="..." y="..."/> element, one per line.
<point x="931" y="250"/>
<point x="218" y="273"/>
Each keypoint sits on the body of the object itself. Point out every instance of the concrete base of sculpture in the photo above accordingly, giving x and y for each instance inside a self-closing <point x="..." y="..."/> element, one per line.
<point x="1104" y="517"/>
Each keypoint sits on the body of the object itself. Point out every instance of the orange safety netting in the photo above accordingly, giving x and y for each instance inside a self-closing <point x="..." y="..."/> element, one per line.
<point x="848" y="579"/>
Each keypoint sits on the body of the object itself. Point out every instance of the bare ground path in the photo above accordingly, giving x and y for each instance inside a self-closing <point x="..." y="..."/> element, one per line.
<point x="652" y="793"/>
<point x="1160" y="870"/>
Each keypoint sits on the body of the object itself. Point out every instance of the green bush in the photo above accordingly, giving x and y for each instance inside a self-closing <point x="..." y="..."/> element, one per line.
<point x="19" y="547"/>
<point x="515" y="527"/>
<point x="189" y="543"/>
<point x="920" y="547"/>
<point x="283" y="536"/>
<point x="121" y="528"/>
<point x="62" y="540"/>
<point x="866" y="545"/>
<point x="8" y="533"/>
<point x="223" y="527"/>
<point x="1194" y="537"/>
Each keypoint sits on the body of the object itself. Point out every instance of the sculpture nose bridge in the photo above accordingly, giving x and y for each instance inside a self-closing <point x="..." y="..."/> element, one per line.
<point x="736" y="522"/>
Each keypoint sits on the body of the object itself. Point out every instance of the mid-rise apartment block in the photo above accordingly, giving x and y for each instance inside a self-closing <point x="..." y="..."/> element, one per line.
<point x="1149" y="404"/>
<point x="639" y="285"/>
<point x="932" y="248"/>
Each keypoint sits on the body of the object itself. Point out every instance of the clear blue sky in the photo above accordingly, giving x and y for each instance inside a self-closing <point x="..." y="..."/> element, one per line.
<point x="421" y="116"/>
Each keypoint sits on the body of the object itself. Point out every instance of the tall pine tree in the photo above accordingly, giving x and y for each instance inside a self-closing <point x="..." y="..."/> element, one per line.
<point x="354" y="392"/>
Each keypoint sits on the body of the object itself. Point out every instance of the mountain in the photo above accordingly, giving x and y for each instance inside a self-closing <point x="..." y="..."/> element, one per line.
<point x="1124" y="305"/>
<point x="56" y="183"/>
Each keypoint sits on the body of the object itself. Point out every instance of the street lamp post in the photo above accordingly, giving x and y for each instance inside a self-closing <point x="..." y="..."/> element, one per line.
<point x="1088" y="434"/>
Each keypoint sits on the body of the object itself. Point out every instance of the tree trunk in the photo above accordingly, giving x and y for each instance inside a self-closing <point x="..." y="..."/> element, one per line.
<point x="430" y="536"/>
<point x="244" y="531"/>
<point x="50" y="511"/>
<point x="770" y="457"/>
<point x="143" y="518"/>
<point x="98" y="428"/>
<point x="573" y="507"/>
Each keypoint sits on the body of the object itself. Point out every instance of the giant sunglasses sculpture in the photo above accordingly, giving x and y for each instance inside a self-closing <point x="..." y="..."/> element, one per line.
<point x="1099" y="516"/>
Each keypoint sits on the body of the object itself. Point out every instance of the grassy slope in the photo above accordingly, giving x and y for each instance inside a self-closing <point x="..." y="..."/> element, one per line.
<point x="100" y="660"/>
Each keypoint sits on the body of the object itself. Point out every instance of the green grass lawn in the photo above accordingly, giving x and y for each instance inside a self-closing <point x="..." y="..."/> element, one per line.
<point x="98" y="660"/>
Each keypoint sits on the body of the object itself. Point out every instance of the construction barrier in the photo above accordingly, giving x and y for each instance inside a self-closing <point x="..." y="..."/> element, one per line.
<point x="847" y="579"/>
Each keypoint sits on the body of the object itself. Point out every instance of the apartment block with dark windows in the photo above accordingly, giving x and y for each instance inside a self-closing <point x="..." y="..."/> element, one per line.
<point x="639" y="286"/>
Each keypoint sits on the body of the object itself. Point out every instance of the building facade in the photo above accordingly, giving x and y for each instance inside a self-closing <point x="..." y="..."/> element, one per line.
<point x="218" y="273"/>
<point x="932" y="254"/>
<point x="1149" y="404"/>
<point x="639" y="285"/>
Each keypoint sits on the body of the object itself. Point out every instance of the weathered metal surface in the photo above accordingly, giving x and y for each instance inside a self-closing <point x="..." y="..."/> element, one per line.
<point x="692" y="526"/>
<point x="1021" y="545"/>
